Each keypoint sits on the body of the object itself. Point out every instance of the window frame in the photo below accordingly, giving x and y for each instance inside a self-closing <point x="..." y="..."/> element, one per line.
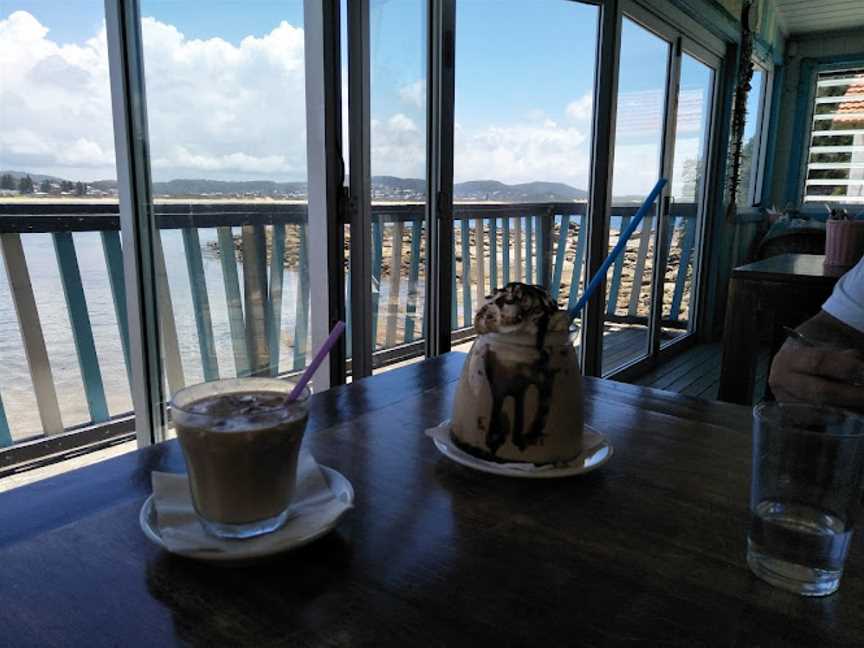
<point x="756" y="183"/>
<point x="856" y="63"/>
<point x="139" y="227"/>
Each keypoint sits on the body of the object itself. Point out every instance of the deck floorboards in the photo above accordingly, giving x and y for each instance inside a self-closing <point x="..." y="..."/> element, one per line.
<point x="696" y="372"/>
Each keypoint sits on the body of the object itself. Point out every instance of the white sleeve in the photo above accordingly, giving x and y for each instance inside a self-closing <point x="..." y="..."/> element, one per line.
<point x="846" y="303"/>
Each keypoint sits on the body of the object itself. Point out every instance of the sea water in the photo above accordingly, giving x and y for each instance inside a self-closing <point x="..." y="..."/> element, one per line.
<point x="798" y="547"/>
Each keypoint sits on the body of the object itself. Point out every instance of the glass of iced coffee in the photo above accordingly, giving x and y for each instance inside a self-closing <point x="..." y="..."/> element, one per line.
<point x="241" y="439"/>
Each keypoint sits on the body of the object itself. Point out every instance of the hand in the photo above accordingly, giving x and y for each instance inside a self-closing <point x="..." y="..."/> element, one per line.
<point x="818" y="375"/>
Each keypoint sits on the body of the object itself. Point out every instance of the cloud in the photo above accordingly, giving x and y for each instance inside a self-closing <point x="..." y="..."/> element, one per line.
<point x="223" y="108"/>
<point x="55" y="102"/>
<point x="581" y="109"/>
<point x="398" y="147"/>
<point x="414" y="94"/>
<point x="538" y="149"/>
<point x="228" y="110"/>
<point x="521" y="153"/>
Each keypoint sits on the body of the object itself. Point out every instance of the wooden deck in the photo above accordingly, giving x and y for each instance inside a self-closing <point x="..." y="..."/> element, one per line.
<point x="696" y="372"/>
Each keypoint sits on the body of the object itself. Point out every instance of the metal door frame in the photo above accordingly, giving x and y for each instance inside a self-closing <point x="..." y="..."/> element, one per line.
<point x="679" y="43"/>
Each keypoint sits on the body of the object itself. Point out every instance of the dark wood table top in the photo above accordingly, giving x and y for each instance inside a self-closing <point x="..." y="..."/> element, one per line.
<point x="648" y="550"/>
<point x="790" y="268"/>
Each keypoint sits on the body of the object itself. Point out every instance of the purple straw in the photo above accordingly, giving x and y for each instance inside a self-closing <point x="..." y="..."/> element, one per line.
<point x="329" y="343"/>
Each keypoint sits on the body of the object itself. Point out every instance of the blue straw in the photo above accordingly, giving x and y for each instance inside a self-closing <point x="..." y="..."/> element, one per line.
<point x="597" y="279"/>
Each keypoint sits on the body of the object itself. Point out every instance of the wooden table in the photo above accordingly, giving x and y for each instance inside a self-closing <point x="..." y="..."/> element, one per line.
<point x="648" y="549"/>
<point x="784" y="290"/>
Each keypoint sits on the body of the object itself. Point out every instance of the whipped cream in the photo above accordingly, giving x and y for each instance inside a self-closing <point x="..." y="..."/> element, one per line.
<point x="519" y="308"/>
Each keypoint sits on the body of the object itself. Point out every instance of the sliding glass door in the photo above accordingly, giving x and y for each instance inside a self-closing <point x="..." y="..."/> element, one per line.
<point x="643" y="80"/>
<point x="232" y="250"/>
<point x="398" y="59"/>
<point x="685" y="217"/>
<point x="522" y="142"/>
<point x="663" y="120"/>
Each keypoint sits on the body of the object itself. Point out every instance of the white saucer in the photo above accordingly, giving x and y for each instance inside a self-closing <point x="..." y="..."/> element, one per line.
<point x="250" y="551"/>
<point x="597" y="450"/>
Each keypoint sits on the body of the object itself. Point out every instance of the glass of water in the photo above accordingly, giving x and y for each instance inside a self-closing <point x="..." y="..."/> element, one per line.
<point x="808" y="463"/>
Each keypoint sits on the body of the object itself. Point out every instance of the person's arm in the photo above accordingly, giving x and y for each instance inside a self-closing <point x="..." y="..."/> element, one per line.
<point x="829" y="375"/>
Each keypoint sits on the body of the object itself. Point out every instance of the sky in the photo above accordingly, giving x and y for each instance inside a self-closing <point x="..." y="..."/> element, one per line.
<point x="225" y="91"/>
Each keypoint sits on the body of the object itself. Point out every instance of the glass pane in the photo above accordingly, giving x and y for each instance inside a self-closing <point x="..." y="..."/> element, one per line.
<point x="751" y="142"/>
<point x="686" y="213"/>
<point x="522" y="148"/>
<point x="638" y="147"/>
<point x="835" y="170"/>
<point x="398" y="158"/>
<point x="57" y="156"/>
<point x="227" y="125"/>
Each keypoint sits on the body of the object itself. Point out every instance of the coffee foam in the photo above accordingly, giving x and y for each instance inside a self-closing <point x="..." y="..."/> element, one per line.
<point x="245" y="411"/>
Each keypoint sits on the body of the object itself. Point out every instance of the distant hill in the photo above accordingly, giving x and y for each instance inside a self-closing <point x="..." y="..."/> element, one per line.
<point x="202" y="186"/>
<point x="35" y="177"/>
<point x="383" y="188"/>
<point x="104" y="185"/>
<point x="492" y="190"/>
<point x="525" y="192"/>
<point x="416" y="185"/>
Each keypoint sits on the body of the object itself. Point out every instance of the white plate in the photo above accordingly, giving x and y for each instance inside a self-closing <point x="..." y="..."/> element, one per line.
<point x="598" y="450"/>
<point x="339" y="485"/>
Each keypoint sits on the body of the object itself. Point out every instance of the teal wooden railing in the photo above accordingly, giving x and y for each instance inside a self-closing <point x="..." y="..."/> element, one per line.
<point x="254" y="312"/>
<point x="493" y="244"/>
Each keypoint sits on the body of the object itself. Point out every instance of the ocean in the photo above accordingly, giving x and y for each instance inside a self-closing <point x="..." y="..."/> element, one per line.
<point x="16" y="386"/>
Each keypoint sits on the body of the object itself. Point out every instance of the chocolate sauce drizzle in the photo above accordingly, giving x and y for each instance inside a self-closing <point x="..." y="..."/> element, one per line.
<point x="505" y="381"/>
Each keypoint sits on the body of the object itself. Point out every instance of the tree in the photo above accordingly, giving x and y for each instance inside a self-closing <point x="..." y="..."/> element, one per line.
<point x="25" y="185"/>
<point x="67" y="185"/>
<point x="744" y="196"/>
<point x="7" y="181"/>
<point x="691" y="177"/>
<point x="80" y="189"/>
<point x="45" y="187"/>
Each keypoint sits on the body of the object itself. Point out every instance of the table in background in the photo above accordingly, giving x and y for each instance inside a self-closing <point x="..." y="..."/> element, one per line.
<point x="649" y="548"/>
<point x="784" y="290"/>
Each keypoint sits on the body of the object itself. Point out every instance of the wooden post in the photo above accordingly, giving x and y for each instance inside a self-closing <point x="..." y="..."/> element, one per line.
<point x="277" y="275"/>
<point x="581" y="244"/>
<point x="518" y="245"/>
<point x="639" y="269"/>
<point x="617" y="269"/>
<point x="167" y="323"/>
<point x="560" y="252"/>
<point x="200" y="303"/>
<point x="301" y="329"/>
<point x="413" y="276"/>
<point x="377" y="254"/>
<point x="21" y="289"/>
<point x="505" y="248"/>
<point x="467" y="315"/>
<point x="82" y="329"/>
<point x="395" y="284"/>
<point x="5" y="434"/>
<point x="493" y="254"/>
<point x="255" y="290"/>
<point x="233" y="302"/>
<point x="480" y="265"/>
<point x="114" y="264"/>
<point x="688" y="241"/>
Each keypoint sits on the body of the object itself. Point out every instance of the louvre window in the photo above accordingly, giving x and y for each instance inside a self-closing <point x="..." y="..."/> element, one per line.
<point x="835" y="164"/>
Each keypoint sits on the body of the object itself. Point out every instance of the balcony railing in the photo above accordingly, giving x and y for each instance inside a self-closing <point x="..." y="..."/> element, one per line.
<point x="263" y="326"/>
